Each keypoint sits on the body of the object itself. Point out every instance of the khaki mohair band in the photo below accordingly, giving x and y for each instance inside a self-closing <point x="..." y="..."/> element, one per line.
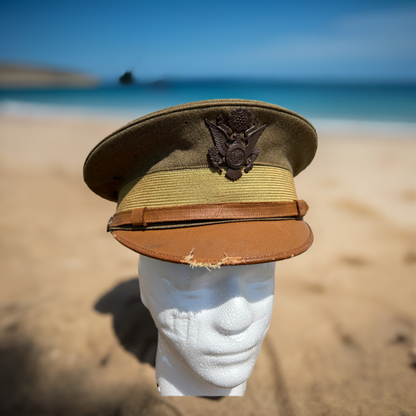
<point x="205" y="186"/>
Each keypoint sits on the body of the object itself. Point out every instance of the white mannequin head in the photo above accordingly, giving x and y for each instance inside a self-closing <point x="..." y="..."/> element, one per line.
<point x="211" y="323"/>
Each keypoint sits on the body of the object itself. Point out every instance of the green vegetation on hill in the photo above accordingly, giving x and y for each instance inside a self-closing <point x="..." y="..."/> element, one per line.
<point x="27" y="76"/>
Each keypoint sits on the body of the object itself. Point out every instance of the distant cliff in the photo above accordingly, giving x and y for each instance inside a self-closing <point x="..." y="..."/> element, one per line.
<point x="27" y="76"/>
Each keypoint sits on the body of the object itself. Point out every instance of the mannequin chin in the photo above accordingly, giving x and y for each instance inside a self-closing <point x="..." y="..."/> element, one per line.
<point x="211" y="324"/>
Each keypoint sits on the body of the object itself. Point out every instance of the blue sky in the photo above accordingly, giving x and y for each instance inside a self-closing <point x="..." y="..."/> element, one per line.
<point x="322" y="40"/>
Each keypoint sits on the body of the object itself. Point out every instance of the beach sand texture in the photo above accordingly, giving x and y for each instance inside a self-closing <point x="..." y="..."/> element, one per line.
<point x="343" y="335"/>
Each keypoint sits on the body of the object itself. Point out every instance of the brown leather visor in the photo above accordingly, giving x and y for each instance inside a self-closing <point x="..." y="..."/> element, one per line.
<point x="217" y="234"/>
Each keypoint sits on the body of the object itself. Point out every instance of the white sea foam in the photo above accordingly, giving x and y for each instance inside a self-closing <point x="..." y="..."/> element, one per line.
<point x="68" y="112"/>
<point x="380" y="129"/>
<point x="351" y="128"/>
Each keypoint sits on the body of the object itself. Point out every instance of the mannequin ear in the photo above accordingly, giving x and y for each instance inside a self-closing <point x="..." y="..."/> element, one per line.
<point x="142" y="296"/>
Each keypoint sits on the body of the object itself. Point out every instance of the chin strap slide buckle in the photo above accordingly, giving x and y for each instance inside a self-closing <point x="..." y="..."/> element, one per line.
<point x="302" y="207"/>
<point x="109" y="223"/>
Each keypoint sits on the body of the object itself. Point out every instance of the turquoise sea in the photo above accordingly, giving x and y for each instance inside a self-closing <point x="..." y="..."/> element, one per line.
<point x="360" y="102"/>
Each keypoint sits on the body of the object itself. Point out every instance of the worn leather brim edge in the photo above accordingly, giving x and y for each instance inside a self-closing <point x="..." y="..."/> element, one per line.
<point x="222" y="244"/>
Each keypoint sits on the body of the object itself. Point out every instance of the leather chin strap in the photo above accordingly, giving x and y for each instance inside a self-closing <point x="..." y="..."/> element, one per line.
<point x="142" y="217"/>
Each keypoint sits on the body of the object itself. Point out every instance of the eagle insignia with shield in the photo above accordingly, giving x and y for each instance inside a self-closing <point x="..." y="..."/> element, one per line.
<point x="229" y="139"/>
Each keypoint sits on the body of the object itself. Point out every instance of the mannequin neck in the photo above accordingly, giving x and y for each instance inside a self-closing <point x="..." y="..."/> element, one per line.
<point x="174" y="378"/>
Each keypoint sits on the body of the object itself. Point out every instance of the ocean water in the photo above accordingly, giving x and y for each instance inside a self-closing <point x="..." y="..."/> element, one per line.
<point x="374" y="103"/>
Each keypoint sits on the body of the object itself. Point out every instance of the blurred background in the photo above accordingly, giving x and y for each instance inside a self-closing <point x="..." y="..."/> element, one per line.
<point x="74" y="336"/>
<point x="340" y="60"/>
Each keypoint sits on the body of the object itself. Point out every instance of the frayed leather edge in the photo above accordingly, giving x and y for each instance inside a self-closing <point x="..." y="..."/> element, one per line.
<point x="215" y="263"/>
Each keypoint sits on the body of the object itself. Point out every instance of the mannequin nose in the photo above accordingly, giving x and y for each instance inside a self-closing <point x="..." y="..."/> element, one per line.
<point x="235" y="315"/>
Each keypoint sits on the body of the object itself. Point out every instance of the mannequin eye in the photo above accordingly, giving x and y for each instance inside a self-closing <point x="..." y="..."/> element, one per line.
<point x="187" y="286"/>
<point x="196" y="294"/>
<point x="259" y="278"/>
<point x="260" y="285"/>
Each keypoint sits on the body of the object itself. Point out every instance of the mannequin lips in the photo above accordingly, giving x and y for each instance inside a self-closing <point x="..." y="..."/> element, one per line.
<point x="231" y="353"/>
<point x="235" y="358"/>
<point x="238" y="343"/>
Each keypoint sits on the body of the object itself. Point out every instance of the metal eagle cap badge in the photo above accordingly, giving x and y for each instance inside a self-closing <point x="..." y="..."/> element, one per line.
<point x="235" y="142"/>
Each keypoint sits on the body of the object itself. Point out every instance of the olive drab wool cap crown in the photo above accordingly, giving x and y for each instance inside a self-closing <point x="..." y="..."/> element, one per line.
<point x="208" y="183"/>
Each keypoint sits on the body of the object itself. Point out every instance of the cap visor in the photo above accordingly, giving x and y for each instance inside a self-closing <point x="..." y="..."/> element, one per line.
<point x="222" y="244"/>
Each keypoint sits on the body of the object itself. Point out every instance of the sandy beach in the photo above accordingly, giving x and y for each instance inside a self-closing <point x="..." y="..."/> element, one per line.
<point x="75" y="339"/>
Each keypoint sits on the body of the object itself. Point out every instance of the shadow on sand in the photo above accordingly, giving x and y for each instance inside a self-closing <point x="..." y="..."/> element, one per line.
<point x="132" y="322"/>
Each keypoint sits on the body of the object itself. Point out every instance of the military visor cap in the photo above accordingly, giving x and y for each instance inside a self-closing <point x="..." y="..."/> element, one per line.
<point x="208" y="183"/>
